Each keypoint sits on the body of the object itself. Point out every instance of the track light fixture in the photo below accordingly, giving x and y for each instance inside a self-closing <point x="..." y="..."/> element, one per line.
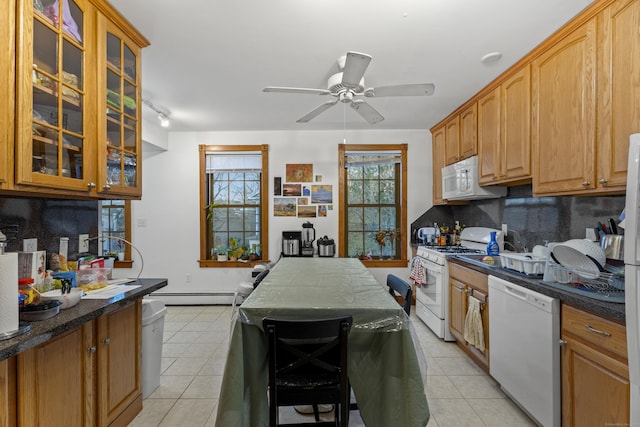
<point x="163" y="116"/>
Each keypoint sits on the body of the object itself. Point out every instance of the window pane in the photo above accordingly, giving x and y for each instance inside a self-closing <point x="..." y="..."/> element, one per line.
<point x="220" y="191"/>
<point x="355" y="172"/>
<point x="356" y="243"/>
<point x="355" y="219"/>
<point x="371" y="219"/>
<point x="252" y="192"/>
<point x="371" y="192"/>
<point x="388" y="218"/>
<point x="236" y="192"/>
<point x="387" y="192"/>
<point x="387" y="171"/>
<point x="356" y="192"/>
<point x="370" y="172"/>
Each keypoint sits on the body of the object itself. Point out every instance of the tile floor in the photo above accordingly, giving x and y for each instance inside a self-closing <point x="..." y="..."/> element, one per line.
<point x="193" y="358"/>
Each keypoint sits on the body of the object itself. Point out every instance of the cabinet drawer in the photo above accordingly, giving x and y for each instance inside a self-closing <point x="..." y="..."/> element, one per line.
<point x="608" y="335"/>
<point x="470" y="277"/>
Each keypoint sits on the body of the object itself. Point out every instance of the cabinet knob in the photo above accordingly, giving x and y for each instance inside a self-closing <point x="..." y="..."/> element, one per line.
<point x="106" y="187"/>
<point x="106" y="341"/>
<point x="562" y="343"/>
<point x="603" y="181"/>
<point x="468" y="291"/>
<point x="91" y="186"/>
<point x="586" y="184"/>
<point x="92" y="349"/>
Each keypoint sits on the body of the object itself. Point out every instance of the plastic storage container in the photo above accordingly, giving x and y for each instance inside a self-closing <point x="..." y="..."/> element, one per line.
<point x="524" y="263"/>
<point x="153" y="312"/>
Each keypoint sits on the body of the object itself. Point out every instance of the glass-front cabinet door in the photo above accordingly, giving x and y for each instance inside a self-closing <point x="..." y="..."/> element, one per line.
<point x="119" y="161"/>
<point x="55" y="109"/>
<point x="7" y="90"/>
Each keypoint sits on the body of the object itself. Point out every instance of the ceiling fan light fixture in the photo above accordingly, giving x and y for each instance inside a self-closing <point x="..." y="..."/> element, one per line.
<point x="164" y="120"/>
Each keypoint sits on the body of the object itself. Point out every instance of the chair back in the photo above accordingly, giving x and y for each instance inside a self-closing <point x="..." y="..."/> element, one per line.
<point x="259" y="278"/>
<point x="312" y="356"/>
<point x="400" y="286"/>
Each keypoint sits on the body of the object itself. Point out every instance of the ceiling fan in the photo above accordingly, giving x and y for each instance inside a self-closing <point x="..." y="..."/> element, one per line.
<point x="348" y="84"/>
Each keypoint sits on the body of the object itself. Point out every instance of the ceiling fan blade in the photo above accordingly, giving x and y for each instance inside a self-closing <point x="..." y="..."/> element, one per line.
<point x="316" y="111"/>
<point x="367" y="111"/>
<point x="418" y="89"/>
<point x="296" y="90"/>
<point x="355" y="66"/>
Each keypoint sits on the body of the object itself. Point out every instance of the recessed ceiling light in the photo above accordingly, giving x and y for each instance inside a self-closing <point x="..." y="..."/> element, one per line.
<point x="491" y="57"/>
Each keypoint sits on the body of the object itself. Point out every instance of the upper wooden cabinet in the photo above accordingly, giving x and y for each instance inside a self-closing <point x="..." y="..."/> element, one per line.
<point x="119" y="128"/>
<point x="504" y="141"/>
<point x="54" y="111"/>
<point x="76" y="60"/>
<point x="452" y="140"/>
<point x="7" y="90"/>
<point x="564" y="115"/>
<point x="469" y="132"/>
<point x="618" y="88"/>
<point x="438" y="153"/>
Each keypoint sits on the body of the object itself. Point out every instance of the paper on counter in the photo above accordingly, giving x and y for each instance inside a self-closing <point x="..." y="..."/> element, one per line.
<point x="109" y="292"/>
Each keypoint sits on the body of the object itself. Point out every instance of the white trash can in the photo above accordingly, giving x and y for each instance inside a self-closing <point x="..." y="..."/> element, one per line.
<point x="153" y="312"/>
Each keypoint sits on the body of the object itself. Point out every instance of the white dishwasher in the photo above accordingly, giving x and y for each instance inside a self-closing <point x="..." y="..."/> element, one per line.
<point x="525" y="349"/>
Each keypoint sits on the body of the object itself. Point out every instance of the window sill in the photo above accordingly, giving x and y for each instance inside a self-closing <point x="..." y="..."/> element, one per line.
<point x="210" y="263"/>
<point x="123" y="264"/>
<point x="382" y="263"/>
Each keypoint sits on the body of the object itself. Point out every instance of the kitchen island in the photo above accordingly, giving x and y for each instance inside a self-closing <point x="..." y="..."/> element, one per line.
<point x="88" y="355"/>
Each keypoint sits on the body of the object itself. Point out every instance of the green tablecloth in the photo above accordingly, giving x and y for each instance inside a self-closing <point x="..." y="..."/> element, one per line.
<point x="384" y="362"/>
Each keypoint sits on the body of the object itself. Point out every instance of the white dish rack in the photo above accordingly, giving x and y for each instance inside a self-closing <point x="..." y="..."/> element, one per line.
<point x="525" y="263"/>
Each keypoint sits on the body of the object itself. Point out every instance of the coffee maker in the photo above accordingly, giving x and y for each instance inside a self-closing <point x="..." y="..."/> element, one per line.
<point x="291" y="242"/>
<point x="308" y="236"/>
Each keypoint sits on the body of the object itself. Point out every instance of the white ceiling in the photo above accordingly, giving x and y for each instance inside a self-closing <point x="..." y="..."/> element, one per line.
<point x="209" y="59"/>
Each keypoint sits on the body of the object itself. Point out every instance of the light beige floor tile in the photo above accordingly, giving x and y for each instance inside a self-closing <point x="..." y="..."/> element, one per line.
<point x="458" y="366"/>
<point x="442" y="349"/>
<point x="204" y="387"/>
<point x="476" y="387"/>
<point x="213" y="366"/>
<point x="200" y="349"/>
<point x="454" y="413"/>
<point x="186" y="366"/>
<point x="171" y="386"/>
<point x="432" y="366"/>
<point x="184" y="336"/>
<point x="196" y="325"/>
<point x="189" y="412"/>
<point x="441" y="387"/>
<point x="500" y="413"/>
<point x="174" y="350"/>
<point x="153" y="411"/>
<point x="165" y="362"/>
<point x="172" y="325"/>
<point x="179" y="317"/>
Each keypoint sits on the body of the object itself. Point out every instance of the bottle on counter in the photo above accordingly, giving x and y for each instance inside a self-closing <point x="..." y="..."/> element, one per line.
<point x="492" y="246"/>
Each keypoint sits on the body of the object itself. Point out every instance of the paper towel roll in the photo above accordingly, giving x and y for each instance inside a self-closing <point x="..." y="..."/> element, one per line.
<point x="9" y="316"/>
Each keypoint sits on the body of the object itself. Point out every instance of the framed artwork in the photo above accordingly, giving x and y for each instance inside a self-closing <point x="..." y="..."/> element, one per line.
<point x="306" y="191"/>
<point x="322" y="194"/>
<point x="318" y="178"/>
<point x="277" y="186"/>
<point x="291" y="190"/>
<point x="299" y="172"/>
<point x="306" y="211"/>
<point x="303" y="201"/>
<point x="284" y="206"/>
<point x="322" y="210"/>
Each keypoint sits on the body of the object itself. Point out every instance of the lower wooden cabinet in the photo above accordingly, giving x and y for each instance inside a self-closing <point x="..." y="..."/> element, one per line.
<point x="8" y="392"/>
<point x="595" y="374"/>
<point x="90" y="376"/>
<point x="465" y="283"/>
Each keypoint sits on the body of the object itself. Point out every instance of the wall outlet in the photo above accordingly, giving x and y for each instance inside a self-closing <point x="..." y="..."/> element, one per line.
<point x="30" y="245"/>
<point x="83" y="243"/>
<point x="187" y="277"/>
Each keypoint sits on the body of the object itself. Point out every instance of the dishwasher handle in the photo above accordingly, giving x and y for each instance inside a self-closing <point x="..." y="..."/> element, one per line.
<point x="516" y="292"/>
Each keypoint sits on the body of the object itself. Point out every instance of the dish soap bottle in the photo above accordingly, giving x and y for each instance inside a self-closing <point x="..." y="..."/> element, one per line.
<point x="492" y="247"/>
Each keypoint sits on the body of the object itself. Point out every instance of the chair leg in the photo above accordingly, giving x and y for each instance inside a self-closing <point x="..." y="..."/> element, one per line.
<point x="316" y="412"/>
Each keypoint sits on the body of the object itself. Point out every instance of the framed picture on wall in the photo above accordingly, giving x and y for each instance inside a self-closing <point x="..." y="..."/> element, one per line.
<point x="299" y="172"/>
<point x="303" y="201"/>
<point x="291" y="190"/>
<point x="277" y="186"/>
<point x="322" y="194"/>
<point x="322" y="210"/>
<point x="284" y="206"/>
<point x="306" y="211"/>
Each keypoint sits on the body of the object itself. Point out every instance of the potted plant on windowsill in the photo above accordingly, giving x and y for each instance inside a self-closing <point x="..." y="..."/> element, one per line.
<point x="233" y="249"/>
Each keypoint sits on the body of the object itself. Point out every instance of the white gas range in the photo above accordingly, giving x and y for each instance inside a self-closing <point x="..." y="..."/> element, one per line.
<point x="432" y="297"/>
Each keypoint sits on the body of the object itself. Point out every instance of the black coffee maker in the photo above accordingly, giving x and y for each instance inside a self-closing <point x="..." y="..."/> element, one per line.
<point x="291" y="243"/>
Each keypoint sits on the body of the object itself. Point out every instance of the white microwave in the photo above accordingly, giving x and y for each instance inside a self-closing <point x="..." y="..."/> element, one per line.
<point x="460" y="182"/>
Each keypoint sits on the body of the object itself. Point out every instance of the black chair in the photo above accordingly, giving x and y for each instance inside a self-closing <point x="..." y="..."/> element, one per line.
<point x="259" y="278"/>
<point x="308" y="366"/>
<point x="400" y="286"/>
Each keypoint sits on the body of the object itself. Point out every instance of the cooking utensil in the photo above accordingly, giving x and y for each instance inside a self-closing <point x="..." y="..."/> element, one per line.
<point x="614" y="227"/>
<point x="589" y="248"/>
<point x="613" y="245"/>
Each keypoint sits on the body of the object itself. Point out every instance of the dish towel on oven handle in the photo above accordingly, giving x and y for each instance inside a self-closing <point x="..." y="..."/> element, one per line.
<point x="473" y="330"/>
<point x="417" y="272"/>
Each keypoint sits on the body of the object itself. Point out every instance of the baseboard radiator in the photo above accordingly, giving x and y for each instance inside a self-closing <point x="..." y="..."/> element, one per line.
<point x="194" y="298"/>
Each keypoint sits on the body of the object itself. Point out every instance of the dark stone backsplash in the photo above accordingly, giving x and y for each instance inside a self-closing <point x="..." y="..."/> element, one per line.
<point x="48" y="220"/>
<point x="530" y="220"/>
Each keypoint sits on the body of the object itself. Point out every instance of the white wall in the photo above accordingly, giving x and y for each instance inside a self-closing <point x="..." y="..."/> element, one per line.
<point x="166" y="221"/>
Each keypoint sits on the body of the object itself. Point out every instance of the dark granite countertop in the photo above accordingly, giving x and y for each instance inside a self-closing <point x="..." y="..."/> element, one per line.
<point x="610" y="310"/>
<point x="66" y="320"/>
